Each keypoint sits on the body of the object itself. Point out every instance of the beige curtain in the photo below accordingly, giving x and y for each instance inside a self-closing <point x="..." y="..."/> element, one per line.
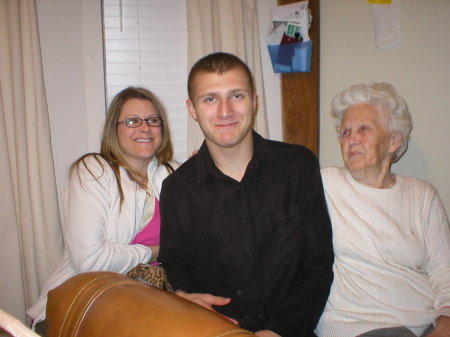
<point x="230" y="26"/>
<point x="30" y="235"/>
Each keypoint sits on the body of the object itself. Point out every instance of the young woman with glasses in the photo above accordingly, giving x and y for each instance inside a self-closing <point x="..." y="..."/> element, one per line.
<point x="111" y="204"/>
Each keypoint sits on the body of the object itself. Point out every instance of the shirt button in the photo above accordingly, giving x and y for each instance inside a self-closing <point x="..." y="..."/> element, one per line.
<point x="259" y="316"/>
<point x="243" y="221"/>
<point x="239" y="292"/>
<point x="239" y="188"/>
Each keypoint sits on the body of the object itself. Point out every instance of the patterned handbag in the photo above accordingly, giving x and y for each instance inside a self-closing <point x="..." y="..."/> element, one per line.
<point x="150" y="274"/>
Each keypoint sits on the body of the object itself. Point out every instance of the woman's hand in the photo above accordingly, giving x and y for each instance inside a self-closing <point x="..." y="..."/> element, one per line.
<point x="206" y="301"/>
<point x="155" y="253"/>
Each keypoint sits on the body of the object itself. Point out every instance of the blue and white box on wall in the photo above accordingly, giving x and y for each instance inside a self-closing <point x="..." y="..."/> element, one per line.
<point x="288" y="39"/>
<point x="291" y="57"/>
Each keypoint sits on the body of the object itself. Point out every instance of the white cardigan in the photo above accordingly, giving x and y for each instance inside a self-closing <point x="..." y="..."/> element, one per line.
<point x="392" y="264"/>
<point x="96" y="229"/>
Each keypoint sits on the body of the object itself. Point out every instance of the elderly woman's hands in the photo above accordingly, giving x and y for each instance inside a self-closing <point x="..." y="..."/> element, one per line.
<point x="442" y="328"/>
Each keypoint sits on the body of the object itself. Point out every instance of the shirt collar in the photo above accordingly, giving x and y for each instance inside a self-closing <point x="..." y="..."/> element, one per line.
<point x="262" y="152"/>
<point x="205" y="165"/>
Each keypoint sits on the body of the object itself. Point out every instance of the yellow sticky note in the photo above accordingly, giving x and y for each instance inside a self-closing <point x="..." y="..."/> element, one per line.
<point x="380" y="2"/>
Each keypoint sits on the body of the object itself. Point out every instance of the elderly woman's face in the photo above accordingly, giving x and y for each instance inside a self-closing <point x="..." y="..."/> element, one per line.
<point x="365" y="139"/>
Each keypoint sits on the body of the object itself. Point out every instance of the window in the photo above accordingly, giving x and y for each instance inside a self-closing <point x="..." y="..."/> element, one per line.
<point x="146" y="45"/>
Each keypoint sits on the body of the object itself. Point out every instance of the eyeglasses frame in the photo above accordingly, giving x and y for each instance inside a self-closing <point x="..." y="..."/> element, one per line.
<point x="142" y="121"/>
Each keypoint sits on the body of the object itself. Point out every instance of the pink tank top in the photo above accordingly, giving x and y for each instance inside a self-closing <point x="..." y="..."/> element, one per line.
<point x="149" y="235"/>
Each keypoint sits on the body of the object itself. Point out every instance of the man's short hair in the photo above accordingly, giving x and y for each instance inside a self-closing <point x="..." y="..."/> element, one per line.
<point x="218" y="63"/>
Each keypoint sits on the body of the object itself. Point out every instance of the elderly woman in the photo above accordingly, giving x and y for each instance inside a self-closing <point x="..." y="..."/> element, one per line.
<point x="391" y="233"/>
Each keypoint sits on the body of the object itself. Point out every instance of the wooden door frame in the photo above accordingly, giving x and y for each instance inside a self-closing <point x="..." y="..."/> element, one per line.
<point x="300" y="93"/>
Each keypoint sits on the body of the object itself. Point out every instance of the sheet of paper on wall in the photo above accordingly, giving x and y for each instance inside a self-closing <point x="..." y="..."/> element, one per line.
<point x="383" y="2"/>
<point x="295" y="16"/>
<point x="275" y="34"/>
<point x="387" y="25"/>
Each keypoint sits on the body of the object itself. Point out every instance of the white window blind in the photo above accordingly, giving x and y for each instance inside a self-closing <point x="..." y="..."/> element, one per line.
<point x="146" y="45"/>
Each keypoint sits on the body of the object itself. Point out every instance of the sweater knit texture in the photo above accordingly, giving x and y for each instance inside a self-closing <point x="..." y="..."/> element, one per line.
<point x="392" y="264"/>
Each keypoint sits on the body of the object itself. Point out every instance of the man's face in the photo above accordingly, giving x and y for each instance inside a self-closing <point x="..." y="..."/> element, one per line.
<point x="224" y="107"/>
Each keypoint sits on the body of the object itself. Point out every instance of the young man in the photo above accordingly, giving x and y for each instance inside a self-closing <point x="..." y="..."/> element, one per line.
<point x="245" y="228"/>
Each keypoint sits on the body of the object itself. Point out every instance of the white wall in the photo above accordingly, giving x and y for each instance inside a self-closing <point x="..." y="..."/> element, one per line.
<point x="419" y="69"/>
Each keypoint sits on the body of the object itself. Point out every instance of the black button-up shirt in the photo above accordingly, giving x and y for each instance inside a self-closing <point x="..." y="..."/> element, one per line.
<point x="265" y="241"/>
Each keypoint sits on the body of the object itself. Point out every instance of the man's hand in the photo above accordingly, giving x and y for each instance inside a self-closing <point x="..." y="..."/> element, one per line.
<point x="207" y="301"/>
<point x="266" y="333"/>
<point x="442" y="328"/>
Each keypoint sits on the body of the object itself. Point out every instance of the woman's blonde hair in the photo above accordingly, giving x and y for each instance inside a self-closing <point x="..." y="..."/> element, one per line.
<point x="110" y="150"/>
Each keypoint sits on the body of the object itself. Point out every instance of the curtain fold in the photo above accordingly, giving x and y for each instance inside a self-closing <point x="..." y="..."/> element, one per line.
<point x="229" y="26"/>
<point x="30" y="232"/>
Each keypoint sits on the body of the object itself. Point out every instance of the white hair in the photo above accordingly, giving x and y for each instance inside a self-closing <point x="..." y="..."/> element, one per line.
<point x="381" y="95"/>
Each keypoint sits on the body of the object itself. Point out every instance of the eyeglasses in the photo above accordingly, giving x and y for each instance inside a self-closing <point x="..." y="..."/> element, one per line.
<point x="135" y="122"/>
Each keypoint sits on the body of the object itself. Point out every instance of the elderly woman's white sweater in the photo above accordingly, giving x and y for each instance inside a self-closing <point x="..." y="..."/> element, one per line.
<point x="392" y="264"/>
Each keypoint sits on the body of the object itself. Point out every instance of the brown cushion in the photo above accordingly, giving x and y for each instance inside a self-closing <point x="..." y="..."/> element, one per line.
<point x="111" y="304"/>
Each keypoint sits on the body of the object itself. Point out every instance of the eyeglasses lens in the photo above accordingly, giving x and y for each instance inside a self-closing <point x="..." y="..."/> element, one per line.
<point x="137" y="122"/>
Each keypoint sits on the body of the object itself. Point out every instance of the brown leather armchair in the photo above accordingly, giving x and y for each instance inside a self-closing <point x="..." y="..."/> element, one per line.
<point x="111" y="305"/>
